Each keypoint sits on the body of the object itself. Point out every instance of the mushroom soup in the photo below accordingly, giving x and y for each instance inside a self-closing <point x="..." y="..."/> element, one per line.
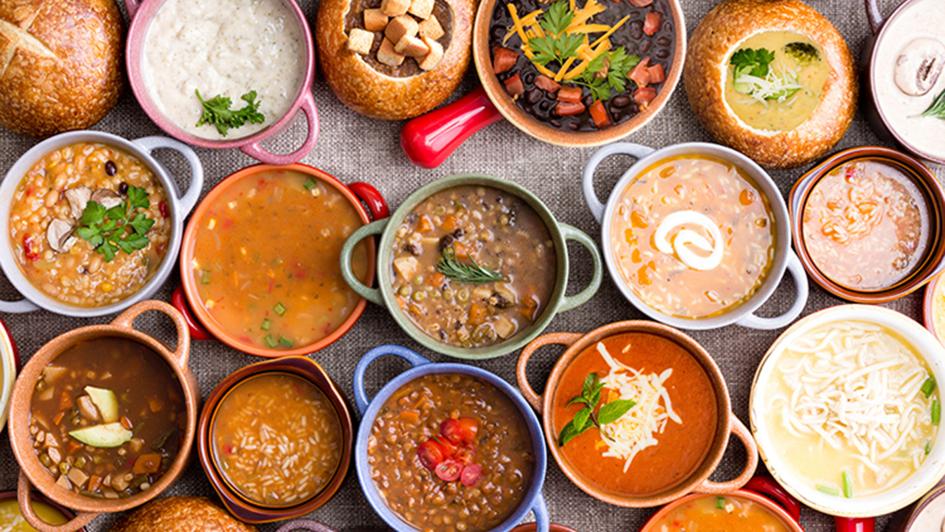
<point x="249" y="51"/>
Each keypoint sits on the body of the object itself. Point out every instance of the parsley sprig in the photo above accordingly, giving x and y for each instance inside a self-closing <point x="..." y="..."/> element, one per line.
<point x="217" y="112"/>
<point x="585" y="418"/>
<point x="607" y="73"/>
<point x="556" y="45"/>
<point x="466" y="271"/>
<point x="754" y="61"/>
<point x="120" y="228"/>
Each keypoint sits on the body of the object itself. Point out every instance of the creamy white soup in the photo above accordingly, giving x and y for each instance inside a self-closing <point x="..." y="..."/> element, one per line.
<point x="223" y="48"/>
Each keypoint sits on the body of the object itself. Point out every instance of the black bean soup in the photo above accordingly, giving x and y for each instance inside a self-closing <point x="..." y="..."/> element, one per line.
<point x="647" y="37"/>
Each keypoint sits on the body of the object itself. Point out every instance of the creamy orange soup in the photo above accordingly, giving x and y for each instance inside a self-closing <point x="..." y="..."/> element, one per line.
<point x="266" y="260"/>
<point x="693" y="236"/>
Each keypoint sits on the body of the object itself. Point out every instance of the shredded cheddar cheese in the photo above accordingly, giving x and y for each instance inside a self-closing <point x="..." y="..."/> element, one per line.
<point x="611" y="31"/>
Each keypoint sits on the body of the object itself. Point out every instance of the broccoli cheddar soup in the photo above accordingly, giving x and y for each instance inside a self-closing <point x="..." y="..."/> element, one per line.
<point x="693" y="237"/>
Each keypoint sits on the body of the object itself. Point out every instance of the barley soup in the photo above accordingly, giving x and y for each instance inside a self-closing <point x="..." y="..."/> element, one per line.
<point x="473" y="266"/>
<point x="89" y="225"/>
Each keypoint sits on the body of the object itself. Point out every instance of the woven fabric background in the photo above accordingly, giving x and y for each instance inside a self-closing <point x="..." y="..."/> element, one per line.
<point x="355" y="148"/>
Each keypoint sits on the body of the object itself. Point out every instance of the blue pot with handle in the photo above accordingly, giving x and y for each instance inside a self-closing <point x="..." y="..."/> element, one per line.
<point x="420" y="366"/>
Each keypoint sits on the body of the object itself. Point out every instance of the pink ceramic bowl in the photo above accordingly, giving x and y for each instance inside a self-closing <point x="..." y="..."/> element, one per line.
<point x="142" y="12"/>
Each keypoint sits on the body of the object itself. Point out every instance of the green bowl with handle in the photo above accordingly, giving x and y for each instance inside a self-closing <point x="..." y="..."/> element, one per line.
<point x="559" y="301"/>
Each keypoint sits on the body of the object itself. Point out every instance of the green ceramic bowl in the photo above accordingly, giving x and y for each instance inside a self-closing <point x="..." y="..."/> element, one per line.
<point x="384" y="295"/>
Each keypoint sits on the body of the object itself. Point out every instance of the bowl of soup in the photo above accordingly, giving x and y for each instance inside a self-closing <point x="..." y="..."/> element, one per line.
<point x="103" y="417"/>
<point x="260" y="262"/>
<point x="9" y="361"/>
<point x="845" y="408"/>
<point x="472" y="266"/>
<point x="696" y="236"/>
<point x="636" y="413"/>
<point x="934" y="307"/>
<point x="869" y="224"/>
<point x="447" y="445"/>
<point x="12" y="520"/>
<point x="224" y="74"/>
<point x="275" y="439"/>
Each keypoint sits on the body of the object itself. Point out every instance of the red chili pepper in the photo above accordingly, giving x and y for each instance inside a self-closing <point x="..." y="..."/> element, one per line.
<point x="163" y="208"/>
<point x="448" y="470"/>
<point x="29" y="251"/>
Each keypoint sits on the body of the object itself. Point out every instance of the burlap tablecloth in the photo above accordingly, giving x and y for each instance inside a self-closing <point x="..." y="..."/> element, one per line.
<point x="355" y="148"/>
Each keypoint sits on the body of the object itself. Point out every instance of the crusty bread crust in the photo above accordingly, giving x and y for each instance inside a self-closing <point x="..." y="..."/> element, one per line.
<point x="180" y="514"/>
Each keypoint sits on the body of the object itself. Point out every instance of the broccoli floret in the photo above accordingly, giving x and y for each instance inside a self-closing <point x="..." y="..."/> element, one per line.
<point x="803" y="52"/>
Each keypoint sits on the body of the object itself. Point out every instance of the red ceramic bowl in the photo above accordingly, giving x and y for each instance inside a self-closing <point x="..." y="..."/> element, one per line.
<point x="142" y="13"/>
<point x="187" y="300"/>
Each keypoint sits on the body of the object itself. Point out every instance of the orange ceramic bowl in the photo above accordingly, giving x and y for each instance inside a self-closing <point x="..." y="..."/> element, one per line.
<point x="364" y="198"/>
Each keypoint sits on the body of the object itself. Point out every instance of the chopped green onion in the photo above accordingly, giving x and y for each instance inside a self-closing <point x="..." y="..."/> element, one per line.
<point x="720" y="502"/>
<point x="829" y="490"/>
<point x="928" y="387"/>
<point x="936" y="412"/>
<point x="270" y="341"/>
<point x="309" y="184"/>
<point x="928" y="447"/>
<point x="279" y="309"/>
<point x="265" y="324"/>
<point x="204" y="276"/>
<point x="847" y="485"/>
<point x="285" y="342"/>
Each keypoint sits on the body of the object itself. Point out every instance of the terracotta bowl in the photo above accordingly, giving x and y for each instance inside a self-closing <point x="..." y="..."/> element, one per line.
<point x="33" y="473"/>
<point x="365" y="199"/>
<point x="235" y="503"/>
<point x="728" y="425"/>
<point x="9" y="362"/>
<point x="37" y="497"/>
<point x="925" y="180"/>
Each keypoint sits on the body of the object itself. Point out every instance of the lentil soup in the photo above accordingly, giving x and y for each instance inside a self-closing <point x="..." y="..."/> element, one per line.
<point x="451" y="452"/>
<point x="473" y="266"/>
<point x="276" y="439"/>
<point x="89" y="225"/>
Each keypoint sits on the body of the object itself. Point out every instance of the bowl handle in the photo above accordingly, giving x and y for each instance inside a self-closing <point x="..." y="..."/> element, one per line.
<point x="126" y="320"/>
<point x="751" y="450"/>
<point x="18" y="307"/>
<point x="854" y="524"/>
<point x="540" y="509"/>
<point x="374" y="228"/>
<point x="637" y="151"/>
<point x="875" y="15"/>
<point x="796" y="269"/>
<point x="24" y="499"/>
<point x="361" y="399"/>
<point x="372" y="198"/>
<point x="179" y="301"/>
<point x="429" y="139"/>
<point x="189" y="199"/>
<point x="131" y="6"/>
<point x="521" y="367"/>
<point x="763" y="485"/>
<point x="578" y="299"/>
<point x="256" y="151"/>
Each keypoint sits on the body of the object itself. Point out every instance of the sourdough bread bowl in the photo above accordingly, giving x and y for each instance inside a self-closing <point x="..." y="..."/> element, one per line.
<point x="773" y="79"/>
<point x="180" y="514"/>
<point x="394" y="59"/>
<point x="60" y="64"/>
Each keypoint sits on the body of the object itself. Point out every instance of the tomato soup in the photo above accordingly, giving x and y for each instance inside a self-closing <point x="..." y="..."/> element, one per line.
<point x="266" y="264"/>
<point x="654" y="414"/>
<point x="710" y="512"/>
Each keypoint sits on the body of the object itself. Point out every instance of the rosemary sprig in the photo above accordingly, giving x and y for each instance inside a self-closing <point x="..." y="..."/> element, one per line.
<point x="937" y="109"/>
<point x="466" y="271"/>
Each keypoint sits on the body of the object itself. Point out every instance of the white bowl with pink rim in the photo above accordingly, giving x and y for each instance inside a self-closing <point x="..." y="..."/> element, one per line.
<point x="169" y="56"/>
<point x="784" y="260"/>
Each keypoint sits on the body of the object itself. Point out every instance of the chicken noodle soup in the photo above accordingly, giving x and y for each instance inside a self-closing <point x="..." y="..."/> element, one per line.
<point x="276" y="439"/>
<point x="693" y="236"/>
<point x="265" y="260"/>
<point x="473" y="266"/>
<point x="728" y="513"/>
<point x="853" y="408"/>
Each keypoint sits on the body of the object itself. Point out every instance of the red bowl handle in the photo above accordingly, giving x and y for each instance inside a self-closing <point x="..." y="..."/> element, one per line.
<point x="429" y="139"/>
<point x="372" y="198"/>
<point x="854" y="524"/>
<point x="197" y="332"/>
<point x="767" y="487"/>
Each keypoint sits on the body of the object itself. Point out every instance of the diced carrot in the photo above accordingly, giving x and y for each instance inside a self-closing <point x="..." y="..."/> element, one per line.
<point x="569" y="108"/>
<point x="641" y="73"/>
<point x="644" y="95"/>
<point x="570" y="94"/>
<point x="425" y="225"/>
<point x="410" y="416"/>
<point x="65" y="402"/>
<point x="459" y="249"/>
<point x="449" y="223"/>
<point x="652" y="22"/>
<point x="155" y="404"/>
<point x="514" y="85"/>
<point x="73" y="446"/>
<point x="657" y="74"/>
<point x="95" y="482"/>
<point x="147" y="463"/>
<point x="503" y="59"/>
<point x="599" y="114"/>
<point x="547" y="84"/>
<point x="59" y="417"/>
<point x="476" y="315"/>
<point x="436" y="279"/>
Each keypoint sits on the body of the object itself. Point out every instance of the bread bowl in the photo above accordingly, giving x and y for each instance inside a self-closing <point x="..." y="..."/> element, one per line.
<point x="785" y="107"/>
<point x="59" y="64"/>
<point x="394" y="59"/>
<point x="180" y="514"/>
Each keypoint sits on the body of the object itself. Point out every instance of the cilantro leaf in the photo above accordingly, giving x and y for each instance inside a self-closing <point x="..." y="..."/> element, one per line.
<point x="557" y="18"/>
<point x="217" y="112"/>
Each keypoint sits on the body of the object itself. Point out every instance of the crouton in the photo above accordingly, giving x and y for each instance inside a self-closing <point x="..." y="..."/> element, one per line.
<point x="432" y="59"/>
<point x="412" y="47"/>
<point x="360" y="41"/>
<point x="387" y="55"/>
<point x="400" y="27"/>
<point x="393" y="8"/>
<point x="431" y="28"/>
<point x="375" y="20"/>
<point x="421" y="8"/>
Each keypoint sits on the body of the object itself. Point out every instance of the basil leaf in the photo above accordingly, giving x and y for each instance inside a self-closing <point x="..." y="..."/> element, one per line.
<point x="613" y="410"/>
<point x="580" y="423"/>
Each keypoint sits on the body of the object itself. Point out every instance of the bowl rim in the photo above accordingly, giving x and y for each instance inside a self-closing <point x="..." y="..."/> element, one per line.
<point x="929" y="473"/>
<point x="188" y="243"/>
<point x="752" y="496"/>
<point x="235" y="502"/>
<point x="536" y="129"/>
<point x="368" y="488"/>
<point x="925" y="181"/>
<point x="15" y="174"/>
<point x="135" y="43"/>
<point x="8" y="363"/>
<point x="928" y="306"/>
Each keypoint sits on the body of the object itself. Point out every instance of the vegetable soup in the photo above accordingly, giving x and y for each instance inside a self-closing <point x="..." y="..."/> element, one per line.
<point x="729" y="513"/>
<point x="858" y="435"/>
<point x="635" y="414"/>
<point x="89" y="225"/>
<point x="693" y="236"/>
<point x="473" y="266"/>
<point x="265" y="261"/>
<point x="107" y="417"/>
<point x="276" y="439"/>
<point x="450" y="452"/>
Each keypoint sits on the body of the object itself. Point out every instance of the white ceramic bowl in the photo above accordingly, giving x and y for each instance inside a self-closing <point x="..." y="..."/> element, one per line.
<point x="929" y="473"/>
<point x="7" y="371"/>
<point x="179" y="205"/>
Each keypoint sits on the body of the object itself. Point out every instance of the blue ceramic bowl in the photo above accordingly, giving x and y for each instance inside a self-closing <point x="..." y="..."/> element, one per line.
<point x="533" y="500"/>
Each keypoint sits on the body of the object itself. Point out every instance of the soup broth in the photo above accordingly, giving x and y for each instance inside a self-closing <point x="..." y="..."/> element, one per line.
<point x="11" y="520"/>
<point x="729" y="513"/>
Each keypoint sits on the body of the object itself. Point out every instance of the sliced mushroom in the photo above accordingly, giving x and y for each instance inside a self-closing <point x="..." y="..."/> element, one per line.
<point x="59" y="235"/>
<point x="919" y="65"/>
<point x="107" y="198"/>
<point x="78" y="198"/>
